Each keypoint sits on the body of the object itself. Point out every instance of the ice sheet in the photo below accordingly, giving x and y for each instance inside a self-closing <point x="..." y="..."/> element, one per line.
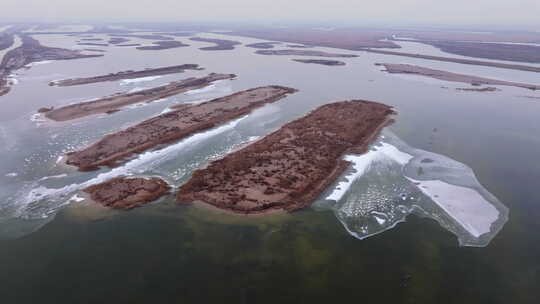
<point x="393" y="180"/>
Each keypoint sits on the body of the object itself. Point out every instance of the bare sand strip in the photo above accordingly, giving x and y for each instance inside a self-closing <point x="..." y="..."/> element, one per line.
<point x="448" y="76"/>
<point x="173" y="126"/>
<point x="115" y="103"/>
<point x="289" y="168"/>
<point x="126" y="75"/>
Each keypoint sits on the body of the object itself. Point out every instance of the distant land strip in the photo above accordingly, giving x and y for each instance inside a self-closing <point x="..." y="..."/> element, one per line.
<point x="126" y="75"/>
<point x="462" y="61"/>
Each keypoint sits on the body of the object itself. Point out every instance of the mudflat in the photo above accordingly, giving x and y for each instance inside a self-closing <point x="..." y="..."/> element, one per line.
<point x="448" y="76"/>
<point x="289" y="168"/>
<point x="127" y="193"/>
<point x="173" y="126"/>
<point x="126" y="75"/>
<point x="115" y="103"/>
<point x="263" y="45"/>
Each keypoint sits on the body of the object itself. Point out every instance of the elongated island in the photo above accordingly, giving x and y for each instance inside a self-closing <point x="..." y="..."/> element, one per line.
<point x="116" y="102"/>
<point x="289" y="168"/>
<point x="172" y="126"/>
<point x="126" y="75"/>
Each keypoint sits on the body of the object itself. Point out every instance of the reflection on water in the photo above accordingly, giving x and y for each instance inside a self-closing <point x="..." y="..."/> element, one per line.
<point x="394" y="180"/>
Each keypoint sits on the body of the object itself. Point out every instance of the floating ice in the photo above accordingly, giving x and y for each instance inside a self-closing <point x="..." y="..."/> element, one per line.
<point x="201" y="90"/>
<point x="137" y="80"/>
<point x="393" y="180"/>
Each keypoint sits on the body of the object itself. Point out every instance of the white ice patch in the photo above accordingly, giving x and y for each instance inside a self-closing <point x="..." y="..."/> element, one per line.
<point x="76" y="198"/>
<point x="393" y="180"/>
<point x="53" y="177"/>
<point x="137" y="80"/>
<point x="12" y="174"/>
<point x="206" y="89"/>
<point x="39" y="63"/>
<point x="136" y="89"/>
<point x="472" y="211"/>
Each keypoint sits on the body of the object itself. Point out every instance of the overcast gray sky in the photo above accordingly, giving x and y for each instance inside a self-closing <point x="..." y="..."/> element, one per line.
<point x="511" y="13"/>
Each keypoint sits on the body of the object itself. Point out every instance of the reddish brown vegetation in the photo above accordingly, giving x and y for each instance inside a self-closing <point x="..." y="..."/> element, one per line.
<point x="173" y="126"/>
<point x="127" y="193"/>
<point x="289" y="168"/>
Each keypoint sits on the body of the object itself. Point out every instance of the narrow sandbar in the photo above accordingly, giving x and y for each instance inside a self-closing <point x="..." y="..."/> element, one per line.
<point x="127" y="193"/>
<point x="448" y="76"/>
<point x="321" y="62"/>
<point x="116" y="102"/>
<point x="126" y="75"/>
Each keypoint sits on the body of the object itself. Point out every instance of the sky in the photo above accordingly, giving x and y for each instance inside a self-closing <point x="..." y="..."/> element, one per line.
<point x="499" y="13"/>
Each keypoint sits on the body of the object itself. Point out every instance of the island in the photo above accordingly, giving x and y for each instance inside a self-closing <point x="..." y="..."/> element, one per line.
<point x="117" y="40"/>
<point x="321" y="61"/>
<point x="220" y="44"/>
<point x="92" y="44"/>
<point x="288" y="169"/>
<point x="172" y="126"/>
<point x="32" y="51"/>
<point x="298" y="46"/>
<point x="263" y="45"/>
<point x="143" y="36"/>
<point x="116" y="102"/>
<point x="162" y="45"/>
<point x="303" y="53"/>
<point x="127" y="192"/>
<point x="448" y="76"/>
<point x="126" y="75"/>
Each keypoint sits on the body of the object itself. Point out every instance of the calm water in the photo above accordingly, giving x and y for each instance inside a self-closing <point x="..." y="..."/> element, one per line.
<point x="55" y="250"/>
